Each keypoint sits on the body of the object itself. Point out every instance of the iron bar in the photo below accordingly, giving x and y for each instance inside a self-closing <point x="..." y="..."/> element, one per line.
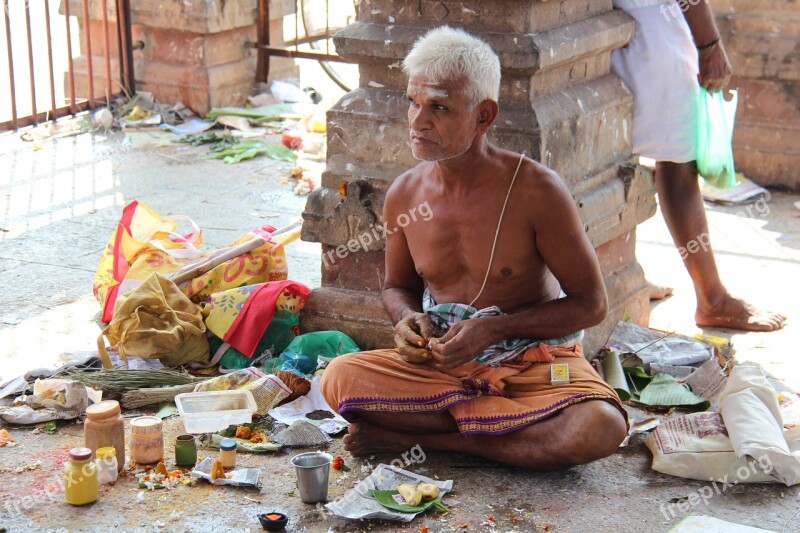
<point x="70" y="65"/>
<point x="30" y="57"/>
<point x="10" y="66"/>
<point x="88" y="51"/>
<point x="107" y="51"/>
<point x="50" y="58"/>
<point x="297" y="54"/>
<point x="262" y="64"/>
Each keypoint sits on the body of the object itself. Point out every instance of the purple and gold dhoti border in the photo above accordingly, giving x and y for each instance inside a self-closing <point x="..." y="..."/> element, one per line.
<point x="483" y="399"/>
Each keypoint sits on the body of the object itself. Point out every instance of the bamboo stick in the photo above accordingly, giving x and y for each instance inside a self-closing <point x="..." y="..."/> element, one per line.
<point x="190" y="272"/>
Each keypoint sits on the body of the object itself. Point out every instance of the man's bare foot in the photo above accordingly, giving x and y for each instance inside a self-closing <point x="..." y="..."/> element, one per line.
<point x="364" y="439"/>
<point x="734" y="313"/>
<point x="658" y="292"/>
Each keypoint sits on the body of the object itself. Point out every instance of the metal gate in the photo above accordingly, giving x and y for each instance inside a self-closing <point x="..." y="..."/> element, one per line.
<point x="56" y="45"/>
<point x="312" y="35"/>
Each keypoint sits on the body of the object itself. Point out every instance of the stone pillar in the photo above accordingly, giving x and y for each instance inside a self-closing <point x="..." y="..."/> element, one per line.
<point x="762" y="39"/>
<point x="559" y="105"/>
<point x="195" y="51"/>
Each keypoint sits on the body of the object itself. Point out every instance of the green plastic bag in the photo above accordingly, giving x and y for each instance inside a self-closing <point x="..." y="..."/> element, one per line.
<point x="301" y="356"/>
<point x="715" y="118"/>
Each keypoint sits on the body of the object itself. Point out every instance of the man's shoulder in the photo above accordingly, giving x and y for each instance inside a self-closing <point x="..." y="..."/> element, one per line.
<point x="534" y="177"/>
<point x="408" y="180"/>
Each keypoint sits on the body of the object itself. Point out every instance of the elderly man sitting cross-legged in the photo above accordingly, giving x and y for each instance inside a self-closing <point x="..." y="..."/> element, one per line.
<point x="505" y="239"/>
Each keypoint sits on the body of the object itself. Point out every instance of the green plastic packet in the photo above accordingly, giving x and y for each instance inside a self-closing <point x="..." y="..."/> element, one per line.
<point x="715" y="120"/>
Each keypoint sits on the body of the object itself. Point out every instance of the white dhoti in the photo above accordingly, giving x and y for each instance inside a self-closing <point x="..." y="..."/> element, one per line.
<point x="659" y="66"/>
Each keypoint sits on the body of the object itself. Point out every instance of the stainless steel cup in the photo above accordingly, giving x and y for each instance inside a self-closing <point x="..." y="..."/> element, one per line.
<point x="312" y="470"/>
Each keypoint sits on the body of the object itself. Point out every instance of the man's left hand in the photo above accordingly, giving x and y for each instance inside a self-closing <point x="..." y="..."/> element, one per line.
<point x="462" y="342"/>
<point x="715" y="69"/>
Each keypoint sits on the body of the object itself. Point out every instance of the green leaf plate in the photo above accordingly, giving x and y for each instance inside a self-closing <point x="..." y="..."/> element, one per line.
<point x="386" y="498"/>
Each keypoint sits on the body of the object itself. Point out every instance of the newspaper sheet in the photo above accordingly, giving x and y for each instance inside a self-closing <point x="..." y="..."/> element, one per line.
<point x="358" y="503"/>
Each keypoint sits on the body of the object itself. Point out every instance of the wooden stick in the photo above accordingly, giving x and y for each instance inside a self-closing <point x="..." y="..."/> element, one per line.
<point x="190" y="272"/>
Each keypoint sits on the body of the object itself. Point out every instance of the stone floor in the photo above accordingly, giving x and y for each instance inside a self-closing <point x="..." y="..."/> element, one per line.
<point x="59" y="201"/>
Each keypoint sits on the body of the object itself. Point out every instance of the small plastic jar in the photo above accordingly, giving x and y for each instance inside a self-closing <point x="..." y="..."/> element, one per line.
<point x="106" y="461"/>
<point x="185" y="450"/>
<point x="227" y="453"/>
<point x="103" y="427"/>
<point x="80" y="477"/>
<point x="147" y="440"/>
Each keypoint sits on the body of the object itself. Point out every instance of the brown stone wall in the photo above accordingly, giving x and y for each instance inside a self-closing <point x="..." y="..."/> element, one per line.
<point x="763" y="42"/>
<point x="194" y="51"/>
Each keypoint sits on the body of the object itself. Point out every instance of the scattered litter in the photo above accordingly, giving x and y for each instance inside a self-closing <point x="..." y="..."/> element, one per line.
<point x="358" y="503"/>
<point x="52" y="399"/>
<point x="658" y="347"/>
<point x="5" y="437"/>
<point x="302" y="406"/>
<point x="103" y="118"/>
<point x="252" y="148"/>
<point x="238" y="477"/>
<point x="237" y="123"/>
<point x="193" y="126"/>
<point x="744" y="191"/>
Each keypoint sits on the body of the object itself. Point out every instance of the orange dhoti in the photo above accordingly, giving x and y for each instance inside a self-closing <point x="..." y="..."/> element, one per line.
<point x="482" y="399"/>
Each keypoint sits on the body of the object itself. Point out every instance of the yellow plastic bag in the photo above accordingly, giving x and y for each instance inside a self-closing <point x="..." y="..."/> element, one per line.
<point x="145" y="237"/>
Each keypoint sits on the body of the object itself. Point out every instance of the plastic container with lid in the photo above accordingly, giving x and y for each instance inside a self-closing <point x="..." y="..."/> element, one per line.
<point x="80" y="477"/>
<point x="210" y="411"/>
<point x="147" y="440"/>
<point x="106" y="461"/>
<point x="103" y="427"/>
<point x="227" y="453"/>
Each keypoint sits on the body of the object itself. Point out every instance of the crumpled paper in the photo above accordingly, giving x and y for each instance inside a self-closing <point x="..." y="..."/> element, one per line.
<point x="358" y="503"/>
<point x="52" y="399"/>
<point x="238" y="477"/>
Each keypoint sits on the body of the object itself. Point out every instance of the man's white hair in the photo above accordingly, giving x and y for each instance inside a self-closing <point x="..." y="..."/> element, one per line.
<point x="447" y="53"/>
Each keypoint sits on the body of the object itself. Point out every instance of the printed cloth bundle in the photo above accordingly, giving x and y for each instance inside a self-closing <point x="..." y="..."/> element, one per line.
<point x="151" y="316"/>
<point x="145" y="242"/>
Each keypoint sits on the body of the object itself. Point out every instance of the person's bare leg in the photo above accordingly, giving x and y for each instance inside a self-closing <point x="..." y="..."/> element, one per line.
<point x="579" y="434"/>
<point x="681" y="203"/>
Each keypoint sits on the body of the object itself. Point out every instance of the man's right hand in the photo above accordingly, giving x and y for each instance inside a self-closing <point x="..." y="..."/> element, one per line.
<point x="411" y="336"/>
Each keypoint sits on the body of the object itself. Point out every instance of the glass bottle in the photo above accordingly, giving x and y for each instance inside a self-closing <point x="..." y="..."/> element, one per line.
<point x="185" y="450"/>
<point x="104" y="426"/>
<point x="80" y="477"/>
<point x="227" y="453"/>
<point x="147" y="440"/>
<point x="106" y="462"/>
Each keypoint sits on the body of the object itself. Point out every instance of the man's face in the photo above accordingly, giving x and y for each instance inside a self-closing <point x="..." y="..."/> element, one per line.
<point x="441" y="124"/>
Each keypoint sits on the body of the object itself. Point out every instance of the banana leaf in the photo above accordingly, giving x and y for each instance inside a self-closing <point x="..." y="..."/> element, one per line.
<point x="386" y="498"/>
<point x="664" y="389"/>
<point x="615" y="375"/>
<point x="264" y="113"/>
<point x="250" y="149"/>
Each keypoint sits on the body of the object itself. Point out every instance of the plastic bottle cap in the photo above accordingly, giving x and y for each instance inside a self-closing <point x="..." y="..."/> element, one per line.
<point x="146" y="425"/>
<point x="106" y="452"/>
<point x="80" y="454"/>
<point x="104" y="409"/>
<point x="227" y="444"/>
